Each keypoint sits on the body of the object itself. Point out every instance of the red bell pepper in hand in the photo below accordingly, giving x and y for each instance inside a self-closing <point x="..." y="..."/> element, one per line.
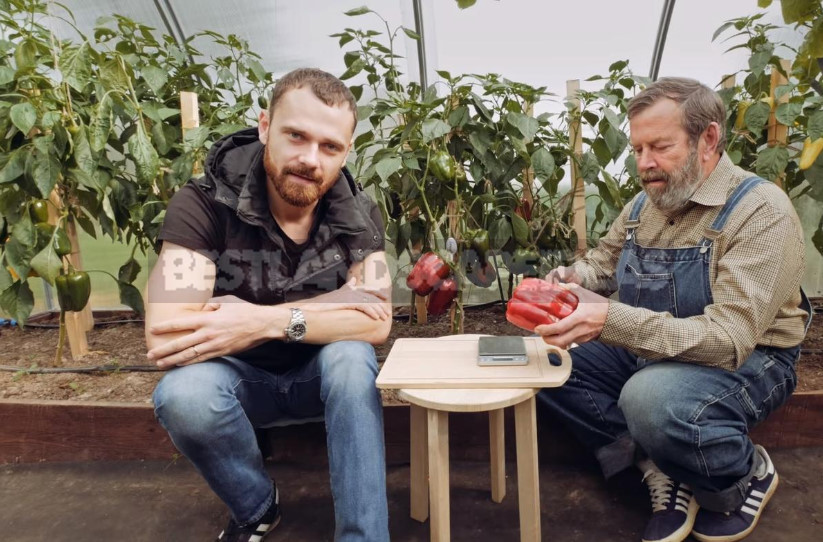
<point x="442" y="296"/>
<point x="536" y="302"/>
<point x="427" y="273"/>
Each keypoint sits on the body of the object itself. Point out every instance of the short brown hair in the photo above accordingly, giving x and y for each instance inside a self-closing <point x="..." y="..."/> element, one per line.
<point x="329" y="89"/>
<point x="699" y="105"/>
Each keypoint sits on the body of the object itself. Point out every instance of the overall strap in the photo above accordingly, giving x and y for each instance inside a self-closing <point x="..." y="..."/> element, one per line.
<point x="634" y="216"/>
<point x="737" y="195"/>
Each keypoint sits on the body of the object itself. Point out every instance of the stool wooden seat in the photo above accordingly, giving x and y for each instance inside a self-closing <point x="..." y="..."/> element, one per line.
<point x="430" y="451"/>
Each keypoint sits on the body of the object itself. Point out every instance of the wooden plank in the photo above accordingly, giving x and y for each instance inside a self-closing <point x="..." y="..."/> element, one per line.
<point x="797" y="424"/>
<point x="32" y="431"/>
<point x="578" y="188"/>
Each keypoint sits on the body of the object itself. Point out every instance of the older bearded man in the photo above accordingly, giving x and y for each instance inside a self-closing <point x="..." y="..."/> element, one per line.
<point x="702" y="343"/>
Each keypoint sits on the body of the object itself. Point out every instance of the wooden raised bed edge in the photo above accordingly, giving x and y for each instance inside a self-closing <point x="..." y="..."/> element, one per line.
<point x="35" y="431"/>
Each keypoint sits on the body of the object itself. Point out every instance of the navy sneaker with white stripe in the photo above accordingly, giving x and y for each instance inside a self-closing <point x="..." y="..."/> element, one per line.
<point x="257" y="530"/>
<point x="673" y="508"/>
<point x="740" y="522"/>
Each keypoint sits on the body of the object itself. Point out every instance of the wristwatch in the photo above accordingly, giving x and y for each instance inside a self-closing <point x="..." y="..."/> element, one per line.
<point x="296" y="330"/>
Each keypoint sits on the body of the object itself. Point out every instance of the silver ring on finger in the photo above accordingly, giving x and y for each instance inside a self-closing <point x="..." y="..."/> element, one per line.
<point x="196" y="353"/>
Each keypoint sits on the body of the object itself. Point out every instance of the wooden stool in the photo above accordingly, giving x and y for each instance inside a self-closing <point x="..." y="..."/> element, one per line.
<point x="430" y="452"/>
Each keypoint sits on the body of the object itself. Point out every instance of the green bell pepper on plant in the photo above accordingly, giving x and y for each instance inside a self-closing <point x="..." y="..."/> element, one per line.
<point x="479" y="242"/>
<point x="61" y="243"/>
<point x="524" y="261"/>
<point x="39" y="211"/>
<point x="73" y="290"/>
<point x="442" y="165"/>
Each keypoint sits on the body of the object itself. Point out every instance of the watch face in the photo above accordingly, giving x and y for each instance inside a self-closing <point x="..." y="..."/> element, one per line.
<point x="298" y="330"/>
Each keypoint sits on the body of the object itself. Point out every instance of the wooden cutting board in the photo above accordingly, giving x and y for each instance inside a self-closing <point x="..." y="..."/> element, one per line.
<point x="451" y="362"/>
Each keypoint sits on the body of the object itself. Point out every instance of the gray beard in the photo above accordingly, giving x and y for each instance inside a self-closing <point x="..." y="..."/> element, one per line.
<point x="680" y="186"/>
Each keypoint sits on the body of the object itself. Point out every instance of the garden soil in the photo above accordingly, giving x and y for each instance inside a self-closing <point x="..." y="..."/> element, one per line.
<point x="117" y="341"/>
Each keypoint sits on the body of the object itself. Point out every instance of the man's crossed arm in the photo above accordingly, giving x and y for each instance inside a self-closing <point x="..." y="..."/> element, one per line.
<point x="188" y="325"/>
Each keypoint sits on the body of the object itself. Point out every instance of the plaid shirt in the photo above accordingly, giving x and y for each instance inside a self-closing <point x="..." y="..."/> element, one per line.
<point x="755" y="271"/>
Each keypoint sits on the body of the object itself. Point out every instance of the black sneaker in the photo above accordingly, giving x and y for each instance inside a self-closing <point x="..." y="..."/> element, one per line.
<point x="740" y="522"/>
<point x="673" y="508"/>
<point x="257" y="530"/>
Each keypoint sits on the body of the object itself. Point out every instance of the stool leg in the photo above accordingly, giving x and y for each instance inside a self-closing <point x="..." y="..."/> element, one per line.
<point x="419" y="466"/>
<point x="528" y="483"/>
<point x="439" y="475"/>
<point x="497" y="451"/>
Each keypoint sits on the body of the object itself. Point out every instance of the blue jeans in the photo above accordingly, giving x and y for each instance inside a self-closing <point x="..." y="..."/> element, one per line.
<point x="211" y="410"/>
<point x="692" y="421"/>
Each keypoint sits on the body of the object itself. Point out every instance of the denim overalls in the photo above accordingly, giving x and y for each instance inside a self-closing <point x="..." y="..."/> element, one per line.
<point x="691" y="420"/>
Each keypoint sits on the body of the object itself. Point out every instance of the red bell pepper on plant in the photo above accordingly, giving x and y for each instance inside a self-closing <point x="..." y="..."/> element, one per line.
<point x="537" y="302"/>
<point x="427" y="273"/>
<point x="441" y="298"/>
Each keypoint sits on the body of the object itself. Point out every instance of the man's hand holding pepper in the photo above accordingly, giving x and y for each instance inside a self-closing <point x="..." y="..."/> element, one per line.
<point x="583" y="325"/>
<point x="564" y="275"/>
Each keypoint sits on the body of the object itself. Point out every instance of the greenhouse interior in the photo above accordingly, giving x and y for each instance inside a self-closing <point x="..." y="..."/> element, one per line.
<point x="470" y="205"/>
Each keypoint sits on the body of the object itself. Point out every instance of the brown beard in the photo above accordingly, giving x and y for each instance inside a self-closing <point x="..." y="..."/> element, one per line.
<point x="679" y="187"/>
<point x="299" y="195"/>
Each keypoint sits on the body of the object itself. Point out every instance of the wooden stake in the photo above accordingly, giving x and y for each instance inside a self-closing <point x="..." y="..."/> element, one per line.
<point x="190" y="118"/>
<point x="778" y="133"/>
<point x="578" y="188"/>
<point x="77" y="323"/>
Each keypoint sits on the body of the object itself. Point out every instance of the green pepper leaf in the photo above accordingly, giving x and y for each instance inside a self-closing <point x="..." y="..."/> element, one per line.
<point x="128" y="271"/>
<point x="526" y="125"/>
<point x="434" y="128"/>
<point x="14" y="167"/>
<point x="82" y="152"/>
<point x="75" y="65"/>
<point x="787" y="113"/>
<point x="6" y="75"/>
<point x="129" y="295"/>
<point x="23" y="115"/>
<point x="144" y="155"/>
<point x="362" y="10"/>
<point x="47" y="263"/>
<point x="387" y="166"/>
<point x="815" y="127"/>
<point x="543" y="164"/>
<point x="756" y="117"/>
<point x="520" y="229"/>
<point x="155" y="77"/>
<point x="771" y="162"/>
<point x="18" y="300"/>
<point x="46" y="171"/>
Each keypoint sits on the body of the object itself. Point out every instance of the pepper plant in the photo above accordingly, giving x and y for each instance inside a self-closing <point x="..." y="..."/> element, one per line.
<point x="796" y="163"/>
<point x="94" y="123"/>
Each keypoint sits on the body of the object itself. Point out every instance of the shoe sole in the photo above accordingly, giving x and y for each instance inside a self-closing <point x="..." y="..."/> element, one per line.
<point x="680" y="534"/>
<point x="740" y="536"/>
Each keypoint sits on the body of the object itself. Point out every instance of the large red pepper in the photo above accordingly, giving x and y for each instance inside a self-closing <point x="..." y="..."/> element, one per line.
<point x="427" y="273"/>
<point x="441" y="298"/>
<point x="538" y="302"/>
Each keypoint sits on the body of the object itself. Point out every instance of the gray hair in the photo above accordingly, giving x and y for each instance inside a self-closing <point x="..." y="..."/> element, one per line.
<point x="699" y="105"/>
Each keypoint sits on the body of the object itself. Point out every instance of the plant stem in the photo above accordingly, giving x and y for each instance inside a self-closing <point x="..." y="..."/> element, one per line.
<point x="58" y="359"/>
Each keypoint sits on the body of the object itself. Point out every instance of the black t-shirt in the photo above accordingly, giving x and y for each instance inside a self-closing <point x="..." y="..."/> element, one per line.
<point x="256" y="262"/>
